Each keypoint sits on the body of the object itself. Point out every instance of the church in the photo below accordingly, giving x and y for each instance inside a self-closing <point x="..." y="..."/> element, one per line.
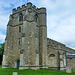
<point x="26" y="42"/>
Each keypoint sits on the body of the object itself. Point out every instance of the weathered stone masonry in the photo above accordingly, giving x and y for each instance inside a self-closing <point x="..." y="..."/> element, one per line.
<point x="27" y="43"/>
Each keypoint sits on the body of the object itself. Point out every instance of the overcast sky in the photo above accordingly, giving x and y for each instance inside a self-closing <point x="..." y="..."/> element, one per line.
<point x="60" y="18"/>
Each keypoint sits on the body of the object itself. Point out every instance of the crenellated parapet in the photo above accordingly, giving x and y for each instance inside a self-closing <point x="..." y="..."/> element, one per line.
<point x="41" y="10"/>
<point x="18" y="9"/>
<point x="14" y="10"/>
<point x="29" y="6"/>
<point x="23" y="7"/>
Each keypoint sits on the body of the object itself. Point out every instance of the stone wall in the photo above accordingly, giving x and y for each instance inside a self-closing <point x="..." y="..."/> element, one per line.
<point x="56" y="53"/>
<point x="26" y="37"/>
<point x="13" y="42"/>
<point x="71" y="61"/>
<point x="13" y="46"/>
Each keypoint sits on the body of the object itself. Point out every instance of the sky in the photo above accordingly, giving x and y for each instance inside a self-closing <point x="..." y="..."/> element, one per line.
<point x="60" y="18"/>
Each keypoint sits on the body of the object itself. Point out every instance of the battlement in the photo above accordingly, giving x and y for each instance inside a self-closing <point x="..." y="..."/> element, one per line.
<point x="18" y="9"/>
<point x="23" y="7"/>
<point x="41" y="10"/>
<point x="29" y="5"/>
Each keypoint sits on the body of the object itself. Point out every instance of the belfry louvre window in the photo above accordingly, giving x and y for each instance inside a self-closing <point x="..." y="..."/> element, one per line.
<point x="19" y="29"/>
<point x="20" y="17"/>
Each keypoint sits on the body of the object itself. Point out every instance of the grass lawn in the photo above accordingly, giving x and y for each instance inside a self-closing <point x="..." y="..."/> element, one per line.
<point x="10" y="71"/>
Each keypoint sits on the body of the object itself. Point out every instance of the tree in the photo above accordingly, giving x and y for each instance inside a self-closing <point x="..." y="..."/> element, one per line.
<point x="2" y="47"/>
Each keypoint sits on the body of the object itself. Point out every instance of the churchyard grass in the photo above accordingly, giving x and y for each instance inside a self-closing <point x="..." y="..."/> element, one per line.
<point x="10" y="71"/>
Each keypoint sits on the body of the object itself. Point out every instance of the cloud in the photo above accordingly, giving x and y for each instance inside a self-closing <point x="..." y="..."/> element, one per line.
<point x="62" y="28"/>
<point x="61" y="22"/>
<point x="5" y="10"/>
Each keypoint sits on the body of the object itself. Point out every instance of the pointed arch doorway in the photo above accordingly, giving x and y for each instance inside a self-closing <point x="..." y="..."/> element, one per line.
<point x="18" y="63"/>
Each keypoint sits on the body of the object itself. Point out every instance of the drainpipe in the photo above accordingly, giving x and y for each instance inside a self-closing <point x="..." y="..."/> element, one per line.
<point x="66" y="57"/>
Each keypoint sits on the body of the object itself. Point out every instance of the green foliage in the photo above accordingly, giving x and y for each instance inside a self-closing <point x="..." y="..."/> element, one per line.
<point x="2" y="47"/>
<point x="10" y="71"/>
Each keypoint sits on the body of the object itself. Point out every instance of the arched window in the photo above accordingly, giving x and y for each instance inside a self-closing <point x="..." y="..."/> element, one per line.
<point x="20" y="17"/>
<point x="52" y="55"/>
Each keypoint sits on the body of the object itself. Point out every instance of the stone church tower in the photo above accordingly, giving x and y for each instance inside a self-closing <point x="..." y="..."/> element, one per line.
<point x="26" y="38"/>
<point x="27" y="45"/>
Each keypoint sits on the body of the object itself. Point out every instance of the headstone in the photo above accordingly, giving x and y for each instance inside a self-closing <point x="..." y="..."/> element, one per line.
<point x="68" y="69"/>
<point x="14" y="73"/>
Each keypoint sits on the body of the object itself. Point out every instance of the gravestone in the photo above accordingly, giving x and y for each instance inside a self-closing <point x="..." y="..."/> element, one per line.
<point x="68" y="69"/>
<point x="14" y="73"/>
<point x="69" y="64"/>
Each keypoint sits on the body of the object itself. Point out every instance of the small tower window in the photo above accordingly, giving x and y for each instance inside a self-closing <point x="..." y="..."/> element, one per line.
<point x="19" y="41"/>
<point x="36" y="17"/>
<point x="20" y="17"/>
<point x="19" y="29"/>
